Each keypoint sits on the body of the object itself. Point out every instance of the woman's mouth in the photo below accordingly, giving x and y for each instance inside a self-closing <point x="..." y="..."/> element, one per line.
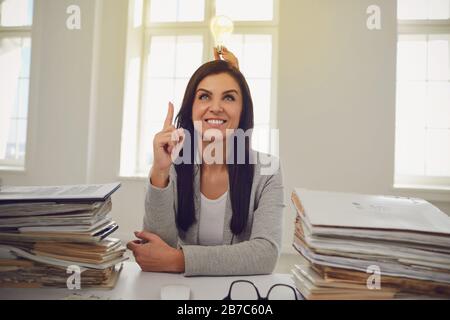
<point x="215" y="122"/>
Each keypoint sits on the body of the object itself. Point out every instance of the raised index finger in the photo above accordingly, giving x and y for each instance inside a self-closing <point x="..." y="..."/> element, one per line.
<point x="169" y="117"/>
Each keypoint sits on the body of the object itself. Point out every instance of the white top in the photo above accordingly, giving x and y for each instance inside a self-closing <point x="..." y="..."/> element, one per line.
<point x="212" y="219"/>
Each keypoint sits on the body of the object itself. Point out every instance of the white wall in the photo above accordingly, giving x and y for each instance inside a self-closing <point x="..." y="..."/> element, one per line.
<point x="336" y="101"/>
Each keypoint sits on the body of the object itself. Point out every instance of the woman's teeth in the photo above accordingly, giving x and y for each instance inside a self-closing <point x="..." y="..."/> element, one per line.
<point x="216" y="122"/>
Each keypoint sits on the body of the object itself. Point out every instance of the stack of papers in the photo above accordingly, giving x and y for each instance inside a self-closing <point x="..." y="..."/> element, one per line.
<point x="350" y="241"/>
<point x="44" y="230"/>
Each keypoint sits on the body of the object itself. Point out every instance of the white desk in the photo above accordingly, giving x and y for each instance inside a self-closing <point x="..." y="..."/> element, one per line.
<point x="133" y="284"/>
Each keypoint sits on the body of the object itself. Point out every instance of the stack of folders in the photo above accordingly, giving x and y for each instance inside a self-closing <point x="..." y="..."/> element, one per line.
<point x="44" y="231"/>
<point x="370" y="247"/>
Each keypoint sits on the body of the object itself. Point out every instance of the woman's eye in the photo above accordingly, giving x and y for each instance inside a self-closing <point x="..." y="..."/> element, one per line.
<point x="203" y="97"/>
<point x="229" y="98"/>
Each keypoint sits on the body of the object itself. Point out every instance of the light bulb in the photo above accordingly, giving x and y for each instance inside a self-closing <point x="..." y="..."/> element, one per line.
<point x="221" y="28"/>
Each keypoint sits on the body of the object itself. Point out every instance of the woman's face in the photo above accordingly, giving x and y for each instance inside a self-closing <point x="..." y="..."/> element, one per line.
<point x="217" y="104"/>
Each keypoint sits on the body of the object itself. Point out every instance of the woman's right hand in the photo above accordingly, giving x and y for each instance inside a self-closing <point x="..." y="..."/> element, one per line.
<point x="164" y="143"/>
<point x="228" y="56"/>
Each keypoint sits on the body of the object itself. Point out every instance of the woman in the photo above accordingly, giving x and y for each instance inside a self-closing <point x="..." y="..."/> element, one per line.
<point x="210" y="218"/>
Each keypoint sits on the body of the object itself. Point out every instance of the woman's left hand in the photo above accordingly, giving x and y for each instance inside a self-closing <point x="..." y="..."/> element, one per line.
<point x="154" y="255"/>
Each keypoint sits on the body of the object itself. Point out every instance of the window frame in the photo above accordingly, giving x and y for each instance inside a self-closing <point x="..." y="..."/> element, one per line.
<point x="424" y="27"/>
<point x="201" y="28"/>
<point x="18" y="32"/>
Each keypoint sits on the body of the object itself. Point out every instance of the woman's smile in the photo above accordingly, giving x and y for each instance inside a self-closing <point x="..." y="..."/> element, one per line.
<point x="215" y="123"/>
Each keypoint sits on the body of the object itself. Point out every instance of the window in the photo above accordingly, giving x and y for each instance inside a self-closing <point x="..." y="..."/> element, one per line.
<point x="423" y="94"/>
<point x="15" y="56"/>
<point x="176" y="41"/>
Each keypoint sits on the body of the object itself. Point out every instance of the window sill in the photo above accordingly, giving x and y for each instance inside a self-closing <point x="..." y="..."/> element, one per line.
<point x="426" y="192"/>
<point x="418" y="187"/>
<point x="133" y="178"/>
<point x="12" y="169"/>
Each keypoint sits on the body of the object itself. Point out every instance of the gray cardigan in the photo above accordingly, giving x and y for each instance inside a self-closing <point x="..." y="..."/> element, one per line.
<point x="255" y="251"/>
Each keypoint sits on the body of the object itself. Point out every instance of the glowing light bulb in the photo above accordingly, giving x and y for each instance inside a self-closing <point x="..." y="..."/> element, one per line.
<point x="221" y="28"/>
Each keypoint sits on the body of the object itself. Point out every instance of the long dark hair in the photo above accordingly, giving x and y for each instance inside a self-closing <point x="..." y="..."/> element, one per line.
<point x="240" y="175"/>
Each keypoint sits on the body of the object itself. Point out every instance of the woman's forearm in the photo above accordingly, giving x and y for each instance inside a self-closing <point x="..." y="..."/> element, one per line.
<point x="159" y="215"/>
<point x="257" y="256"/>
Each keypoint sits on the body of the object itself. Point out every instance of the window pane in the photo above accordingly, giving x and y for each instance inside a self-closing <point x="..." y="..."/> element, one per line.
<point x="173" y="60"/>
<point x="411" y="101"/>
<point x="255" y="59"/>
<point x="15" y="149"/>
<point x="189" y="51"/>
<point x="439" y="106"/>
<point x="177" y="10"/>
<point x="423" y="9"/>
<point x="236" y="44"/>
<point x="179" y="89"/>
<point x="10" y="152"/>
<point x="128" y="152"/>
<point x="163" y="10"/>
<point x="22" y="98"/>
<point x="16" y="13"/>
<point x="423" y="105"/>
<point x="158" y="93"/>
<point x="412" y="9"/>
<point x="21" y="137"/>
<point x="175" y="56"/>
<point x="14" y="82"/>
<point x="412" y="58"/>
<point x="146" y="155"/>
<point x="137" y="13"/>
<point x="162" y="54"/>
<point x="410" y="151"/>
<point x="438" y="58"/>
<point x="261" y="138"/>
<point x="438" y="153"/>
<point x="439" y="9"/>
<point x="245" y="10"/>
<point x="254" y="52"/>
<point x="261" y="95"/>
<point x="257" y="56"/>
<point x="191" y="10"/>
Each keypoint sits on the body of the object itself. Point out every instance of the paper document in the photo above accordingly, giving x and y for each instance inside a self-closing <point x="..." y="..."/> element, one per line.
<point x="57" y="193"/>
<point x="347" y="210"/>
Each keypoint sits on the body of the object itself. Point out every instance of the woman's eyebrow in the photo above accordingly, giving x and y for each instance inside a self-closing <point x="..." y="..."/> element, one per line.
<point x="225" y="92"/>
<point x="207" y="91"/>
<point x="231" y="91"/>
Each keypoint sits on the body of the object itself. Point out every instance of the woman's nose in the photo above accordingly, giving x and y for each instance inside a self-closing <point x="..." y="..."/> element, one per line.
<point x="216" y="107"/>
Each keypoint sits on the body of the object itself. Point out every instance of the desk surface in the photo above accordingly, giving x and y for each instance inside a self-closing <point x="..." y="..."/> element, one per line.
<point x="133" y="284"/>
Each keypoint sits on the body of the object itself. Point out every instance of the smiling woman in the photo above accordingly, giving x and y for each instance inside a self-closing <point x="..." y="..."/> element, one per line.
<point x="203" y="218"/>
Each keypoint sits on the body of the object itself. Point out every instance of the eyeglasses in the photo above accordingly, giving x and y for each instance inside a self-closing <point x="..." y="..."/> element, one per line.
<point x="246" y="290"/>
